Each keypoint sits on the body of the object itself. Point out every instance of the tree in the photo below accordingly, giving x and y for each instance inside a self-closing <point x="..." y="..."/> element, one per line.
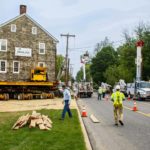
<point x="102" y="44"/>
<point x="104" y="58"/>
<point x="59" y="61"/>
<point x="114" y="73"/>
<point x="79" y="76"/>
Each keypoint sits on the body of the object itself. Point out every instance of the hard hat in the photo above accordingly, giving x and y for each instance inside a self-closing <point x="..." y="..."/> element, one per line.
<point x="117" y="87"/>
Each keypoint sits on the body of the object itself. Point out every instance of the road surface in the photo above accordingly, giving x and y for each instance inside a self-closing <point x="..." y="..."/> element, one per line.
<point x="134" y="135"/>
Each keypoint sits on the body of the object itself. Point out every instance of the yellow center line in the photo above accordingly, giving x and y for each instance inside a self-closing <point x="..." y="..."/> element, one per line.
<point x="147" y="115"/>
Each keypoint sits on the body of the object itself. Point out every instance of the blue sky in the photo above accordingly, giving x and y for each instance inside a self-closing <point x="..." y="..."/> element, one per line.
<point x="90" y="20"/>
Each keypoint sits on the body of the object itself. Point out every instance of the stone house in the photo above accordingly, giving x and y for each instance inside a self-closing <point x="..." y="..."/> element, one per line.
<point x="25" y="44"/>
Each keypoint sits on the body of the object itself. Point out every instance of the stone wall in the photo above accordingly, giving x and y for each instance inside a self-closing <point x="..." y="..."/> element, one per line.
<point x="24" y="38"/>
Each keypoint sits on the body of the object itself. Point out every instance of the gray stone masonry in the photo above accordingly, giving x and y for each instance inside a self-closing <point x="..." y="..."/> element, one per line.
<point x="24" y="38"/>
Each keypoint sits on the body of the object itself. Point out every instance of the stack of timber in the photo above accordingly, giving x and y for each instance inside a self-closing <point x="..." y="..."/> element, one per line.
<point x="35" y="119"/>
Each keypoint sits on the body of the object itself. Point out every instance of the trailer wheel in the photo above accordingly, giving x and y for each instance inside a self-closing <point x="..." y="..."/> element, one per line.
<point x="6" y="96"/>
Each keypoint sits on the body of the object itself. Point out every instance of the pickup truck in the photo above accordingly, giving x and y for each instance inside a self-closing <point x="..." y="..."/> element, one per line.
<point x="139" y="90"/>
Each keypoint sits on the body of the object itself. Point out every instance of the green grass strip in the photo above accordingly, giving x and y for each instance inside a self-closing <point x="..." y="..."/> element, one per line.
<point x="64" y="135"/>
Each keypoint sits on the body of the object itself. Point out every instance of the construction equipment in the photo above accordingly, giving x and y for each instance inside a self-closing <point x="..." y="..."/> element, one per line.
<point x="139" y="89"/>
<point x="38" y="87"/>
<point x="85" y="89"/>
<point x="39" y="74"/>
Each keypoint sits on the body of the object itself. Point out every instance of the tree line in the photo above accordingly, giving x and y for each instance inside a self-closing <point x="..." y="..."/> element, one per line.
<point x="111" y="64"/>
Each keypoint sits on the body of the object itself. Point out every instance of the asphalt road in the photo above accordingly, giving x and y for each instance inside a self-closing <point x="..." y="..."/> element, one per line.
<point x="134" y="135"/>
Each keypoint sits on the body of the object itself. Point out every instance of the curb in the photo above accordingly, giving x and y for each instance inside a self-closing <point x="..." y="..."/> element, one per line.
<point x="86" y="138"/>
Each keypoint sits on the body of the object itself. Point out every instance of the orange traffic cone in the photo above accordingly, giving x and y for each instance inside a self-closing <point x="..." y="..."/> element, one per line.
<point x="134" y="107"/>
<point x="129" y="97"/>
<point x="84" y="113"/>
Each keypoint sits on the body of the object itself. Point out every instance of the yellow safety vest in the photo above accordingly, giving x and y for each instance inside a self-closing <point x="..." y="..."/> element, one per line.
<point x="104" y="90"/>
<point x="100" y="91"/>
<point x="117" y="98"/>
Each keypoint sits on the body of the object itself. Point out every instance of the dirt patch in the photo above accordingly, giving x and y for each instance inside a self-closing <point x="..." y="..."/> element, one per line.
<point x="22" y="105"/>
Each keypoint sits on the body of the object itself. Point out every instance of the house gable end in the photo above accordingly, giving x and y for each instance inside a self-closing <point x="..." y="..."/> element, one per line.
<point x="34" y="23"/>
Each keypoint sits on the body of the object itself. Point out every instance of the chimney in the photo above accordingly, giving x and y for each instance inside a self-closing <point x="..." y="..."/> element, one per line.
<point x="23" y="9"/>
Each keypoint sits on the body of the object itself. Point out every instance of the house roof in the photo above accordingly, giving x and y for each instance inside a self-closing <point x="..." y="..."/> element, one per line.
<point x="17" y="17"/>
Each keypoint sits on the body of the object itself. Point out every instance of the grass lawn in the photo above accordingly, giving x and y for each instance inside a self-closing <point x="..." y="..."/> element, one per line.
<point x="64" y="135"/>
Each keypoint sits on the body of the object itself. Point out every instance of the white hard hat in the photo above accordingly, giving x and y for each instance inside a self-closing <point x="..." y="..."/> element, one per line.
<point x="117" y="87"/>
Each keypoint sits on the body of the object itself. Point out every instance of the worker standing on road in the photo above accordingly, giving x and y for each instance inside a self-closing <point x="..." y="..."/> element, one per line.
<point x="100" y="93"/>
<point x="66" y="102"/>
<point x="104" y="91"/>
<point x="117" y="98"/>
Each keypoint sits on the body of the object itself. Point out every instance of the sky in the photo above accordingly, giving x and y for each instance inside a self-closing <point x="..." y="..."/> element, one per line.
<point x="89" y="20"/>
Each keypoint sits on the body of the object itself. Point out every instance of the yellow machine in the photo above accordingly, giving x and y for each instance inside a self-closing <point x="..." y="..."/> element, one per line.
<point x="39" y="74"/>
<point x="37" y="88"/>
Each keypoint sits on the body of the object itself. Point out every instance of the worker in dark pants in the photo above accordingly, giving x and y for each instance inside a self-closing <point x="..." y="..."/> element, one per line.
<point x="100" y="93"/>
<point x="66" y="102"/>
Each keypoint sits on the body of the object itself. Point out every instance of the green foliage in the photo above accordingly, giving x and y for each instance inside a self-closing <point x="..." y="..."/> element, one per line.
<point x="146" y="54"/>
<point x="115" y="73"/>
<point x="104" y="58"/>
<point x="64" y="135"/>
<point x="59" y="62"/>
<point x="110" y="66"/>
<point x="79" y="76"/>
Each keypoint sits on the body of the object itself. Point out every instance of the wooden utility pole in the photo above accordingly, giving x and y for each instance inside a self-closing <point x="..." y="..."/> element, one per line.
<point x="67" y="67"/>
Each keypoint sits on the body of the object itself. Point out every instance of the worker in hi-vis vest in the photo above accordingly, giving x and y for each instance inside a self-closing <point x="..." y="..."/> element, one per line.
<point x="117" y="98"/>
<point x="100" y="92"/>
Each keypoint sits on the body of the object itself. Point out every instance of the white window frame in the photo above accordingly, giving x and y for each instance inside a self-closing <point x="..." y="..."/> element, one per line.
<point x="18" y="67"/>
<point x="5" y="66"/>
<point x="13" y="28"/>
<point x="41" y="63"/>
<point x="3" y="40"/>
<point x="34" y="30"/>
<point x="40" y="46"/>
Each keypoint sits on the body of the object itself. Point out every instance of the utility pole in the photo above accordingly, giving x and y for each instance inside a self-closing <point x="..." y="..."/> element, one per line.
<point x="139" y="45"/>
<point x="67" y="45"/>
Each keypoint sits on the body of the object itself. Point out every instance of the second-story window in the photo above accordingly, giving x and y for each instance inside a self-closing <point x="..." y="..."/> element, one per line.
<point x="41" y="48"/>
<point x="3" y="65"/>
<point x="13" y="28"/>
<point x="16" y="66"/>
<point x="41" y="64"/>
<point x="3" y="45"/>
<point x="34" y="30"/>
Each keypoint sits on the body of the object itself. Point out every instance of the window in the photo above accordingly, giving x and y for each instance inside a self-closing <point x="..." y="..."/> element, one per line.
<point x="13" y="28"/>
<point x="34" y="30"/>
<point x="16" y="66"/>
<point x="3" y="64"/>
<point x="41" y="48"/>
<point x="3" y="45"/>
<point x="41" y="64"/>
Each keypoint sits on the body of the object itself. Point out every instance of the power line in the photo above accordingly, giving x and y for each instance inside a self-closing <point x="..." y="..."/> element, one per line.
<point x="92" y="46"/>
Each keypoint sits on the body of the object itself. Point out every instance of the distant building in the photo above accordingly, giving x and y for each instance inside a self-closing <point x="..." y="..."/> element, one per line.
<point x="25" y="44"/>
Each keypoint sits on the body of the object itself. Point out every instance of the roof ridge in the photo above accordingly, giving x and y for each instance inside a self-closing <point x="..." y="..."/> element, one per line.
<point x="24" y="14"/>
